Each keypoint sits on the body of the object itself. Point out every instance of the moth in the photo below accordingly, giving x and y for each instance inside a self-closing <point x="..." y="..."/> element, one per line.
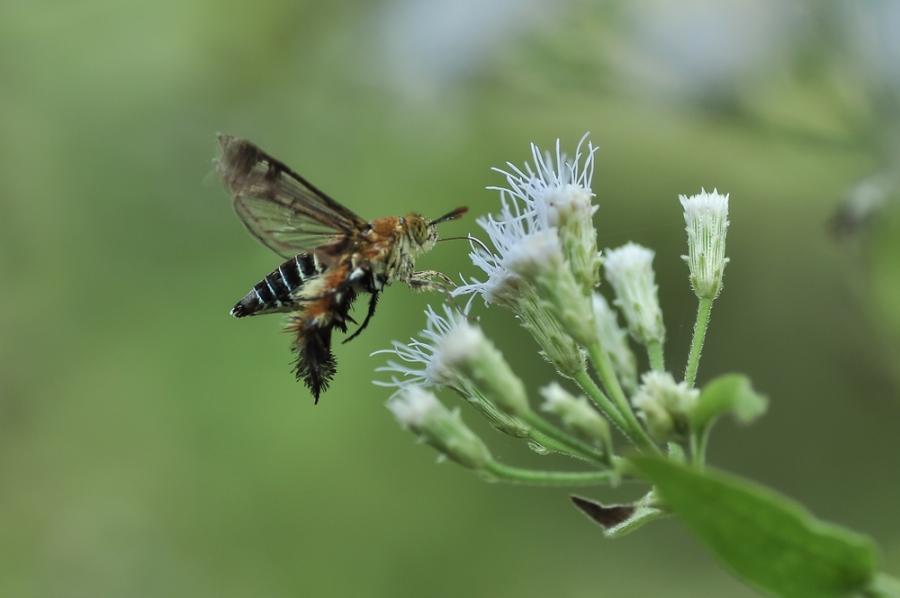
<point x="332" y="255"/>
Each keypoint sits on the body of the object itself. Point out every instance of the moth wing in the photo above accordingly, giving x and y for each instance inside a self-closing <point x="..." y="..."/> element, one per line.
<point x="283" y="210"/>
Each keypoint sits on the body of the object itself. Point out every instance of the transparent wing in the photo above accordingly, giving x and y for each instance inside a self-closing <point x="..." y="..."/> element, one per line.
<point x="278" y="206"/>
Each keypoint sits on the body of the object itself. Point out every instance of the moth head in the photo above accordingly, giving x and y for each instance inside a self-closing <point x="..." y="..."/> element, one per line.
<point x="420" y="231"/>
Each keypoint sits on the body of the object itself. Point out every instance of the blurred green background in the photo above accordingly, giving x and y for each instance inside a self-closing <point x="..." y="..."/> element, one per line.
<point x="150" y="445"/>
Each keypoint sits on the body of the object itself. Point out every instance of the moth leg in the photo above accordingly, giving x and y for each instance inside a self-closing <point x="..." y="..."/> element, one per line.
<point x="430" y="280"/>
<point x="373" y="301"/>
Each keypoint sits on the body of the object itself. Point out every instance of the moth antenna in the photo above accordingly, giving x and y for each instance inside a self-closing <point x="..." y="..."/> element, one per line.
<point x="452" y="215"/>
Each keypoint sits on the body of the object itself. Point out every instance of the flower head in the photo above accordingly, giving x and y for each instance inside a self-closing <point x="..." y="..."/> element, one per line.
<point x="432" y="359"/>
<point x="526" y="257"/>
<point x="706" y="223"/>
<point x="558" y="191"/>
<point x="420" y="411"/>
<point x="552" y="197"/>
<point x="629" y="270"/>
<point x="544" y="260"/>
<point x="453" y="352"/>
<point x="576" y="414"/>
<point x="665" y="404"/>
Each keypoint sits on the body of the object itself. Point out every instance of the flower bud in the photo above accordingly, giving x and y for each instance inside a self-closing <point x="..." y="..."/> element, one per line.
<point x="706" y="223"/>
<point x="576" y="414"/>
<point x="629" y="270"/>
<point x="664" y="404"/>
<point x="539" y="260"/>
<point x="419" y="410"/>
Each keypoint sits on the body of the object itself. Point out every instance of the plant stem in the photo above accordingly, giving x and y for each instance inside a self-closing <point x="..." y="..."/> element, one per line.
<point x="655" y="354"/>
<point x="554" y="446"/>
<point x="570" y="444"/>
<point x="520" y="475"/>
<point x="704" y="308"/>
<point x="699" y="439"/>
<point x="604" y="368"/>
<point x="602" y="401"/>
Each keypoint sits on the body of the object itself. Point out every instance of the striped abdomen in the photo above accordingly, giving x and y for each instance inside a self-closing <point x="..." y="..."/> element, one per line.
<point x="276" y="292"/>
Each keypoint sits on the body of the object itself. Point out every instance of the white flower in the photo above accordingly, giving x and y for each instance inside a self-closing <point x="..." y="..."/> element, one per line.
<point x="525" y="254"/>
<point x="431" y="359"/>
<point x="414" y="406"/>
<point x="630" y="271"/>
<point x="552" y="195"/>
<point x="665" y="404"/>
<point x="614" y="341"/>
<point x="706" y="220"/>
<point x="420" y="411"/>
<point x="576" y="414"/>
<point x="453" y="352"/>
<point x="510" y="233"/>
<point x="536" y="255"/>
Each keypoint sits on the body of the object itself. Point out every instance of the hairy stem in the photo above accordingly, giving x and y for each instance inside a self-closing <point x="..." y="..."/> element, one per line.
<point x="518" y="475"/>
<point x="655" y="354"/>
<point x="704" y="308"/>
<point x="589" y="387"/>
<point x="604" y="368"/>
<point x="568" y="443"/>
<point x="554" y="446"/>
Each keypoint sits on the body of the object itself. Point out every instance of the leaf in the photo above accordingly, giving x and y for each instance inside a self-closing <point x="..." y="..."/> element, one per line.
<point x="618" y="520"/>
<point x="767" y="539"/>
<point x="731" y="392"/>
<point x="884" y="586"/>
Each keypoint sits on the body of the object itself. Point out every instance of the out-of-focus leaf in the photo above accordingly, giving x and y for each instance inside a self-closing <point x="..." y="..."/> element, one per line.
<point x="883" y="586"/>
<point x="729" y="393"/>
<point x="767" y="539"/>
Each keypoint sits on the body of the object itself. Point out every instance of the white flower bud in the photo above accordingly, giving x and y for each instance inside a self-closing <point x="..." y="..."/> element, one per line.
<point x="614" y="340"/>
<point x="629" y="270"/>
<point x="706" y="220"/>
<point x="539" y="260"/>
<point x="492" y="376"/>
<point x="453" y="352"/>
<point x="557" y="346"/>
<point x="576" y="414"/>
<point x="664" y="404"/>
<point x="419" y="410"/>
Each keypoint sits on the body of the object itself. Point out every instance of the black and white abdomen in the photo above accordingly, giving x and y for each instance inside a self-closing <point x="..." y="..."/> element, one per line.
<point x="276" y="292"/>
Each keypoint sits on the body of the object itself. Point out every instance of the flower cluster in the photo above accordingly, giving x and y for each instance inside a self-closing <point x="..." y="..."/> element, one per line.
<point x="542" y="263"/>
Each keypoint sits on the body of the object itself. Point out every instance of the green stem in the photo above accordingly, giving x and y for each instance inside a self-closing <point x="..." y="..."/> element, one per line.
<point x="604" y="368"/>
<point x="699" y="439"/>
<point x="552" y="445"/>
<point x="655" y="354"/>
<point x="704" y="307"/>
<point x="587" y="384"/>
<point x="569" y="443"/>
<point x="518" y="475"/>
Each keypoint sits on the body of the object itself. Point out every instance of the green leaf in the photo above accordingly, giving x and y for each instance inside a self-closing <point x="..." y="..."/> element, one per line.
<point x="767" y="539"/>
<point x="731" y="392"/>
<point x="884" y="586"/>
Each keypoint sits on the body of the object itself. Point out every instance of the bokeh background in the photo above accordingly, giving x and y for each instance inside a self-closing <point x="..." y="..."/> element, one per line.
<point x="150" y="445"/>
